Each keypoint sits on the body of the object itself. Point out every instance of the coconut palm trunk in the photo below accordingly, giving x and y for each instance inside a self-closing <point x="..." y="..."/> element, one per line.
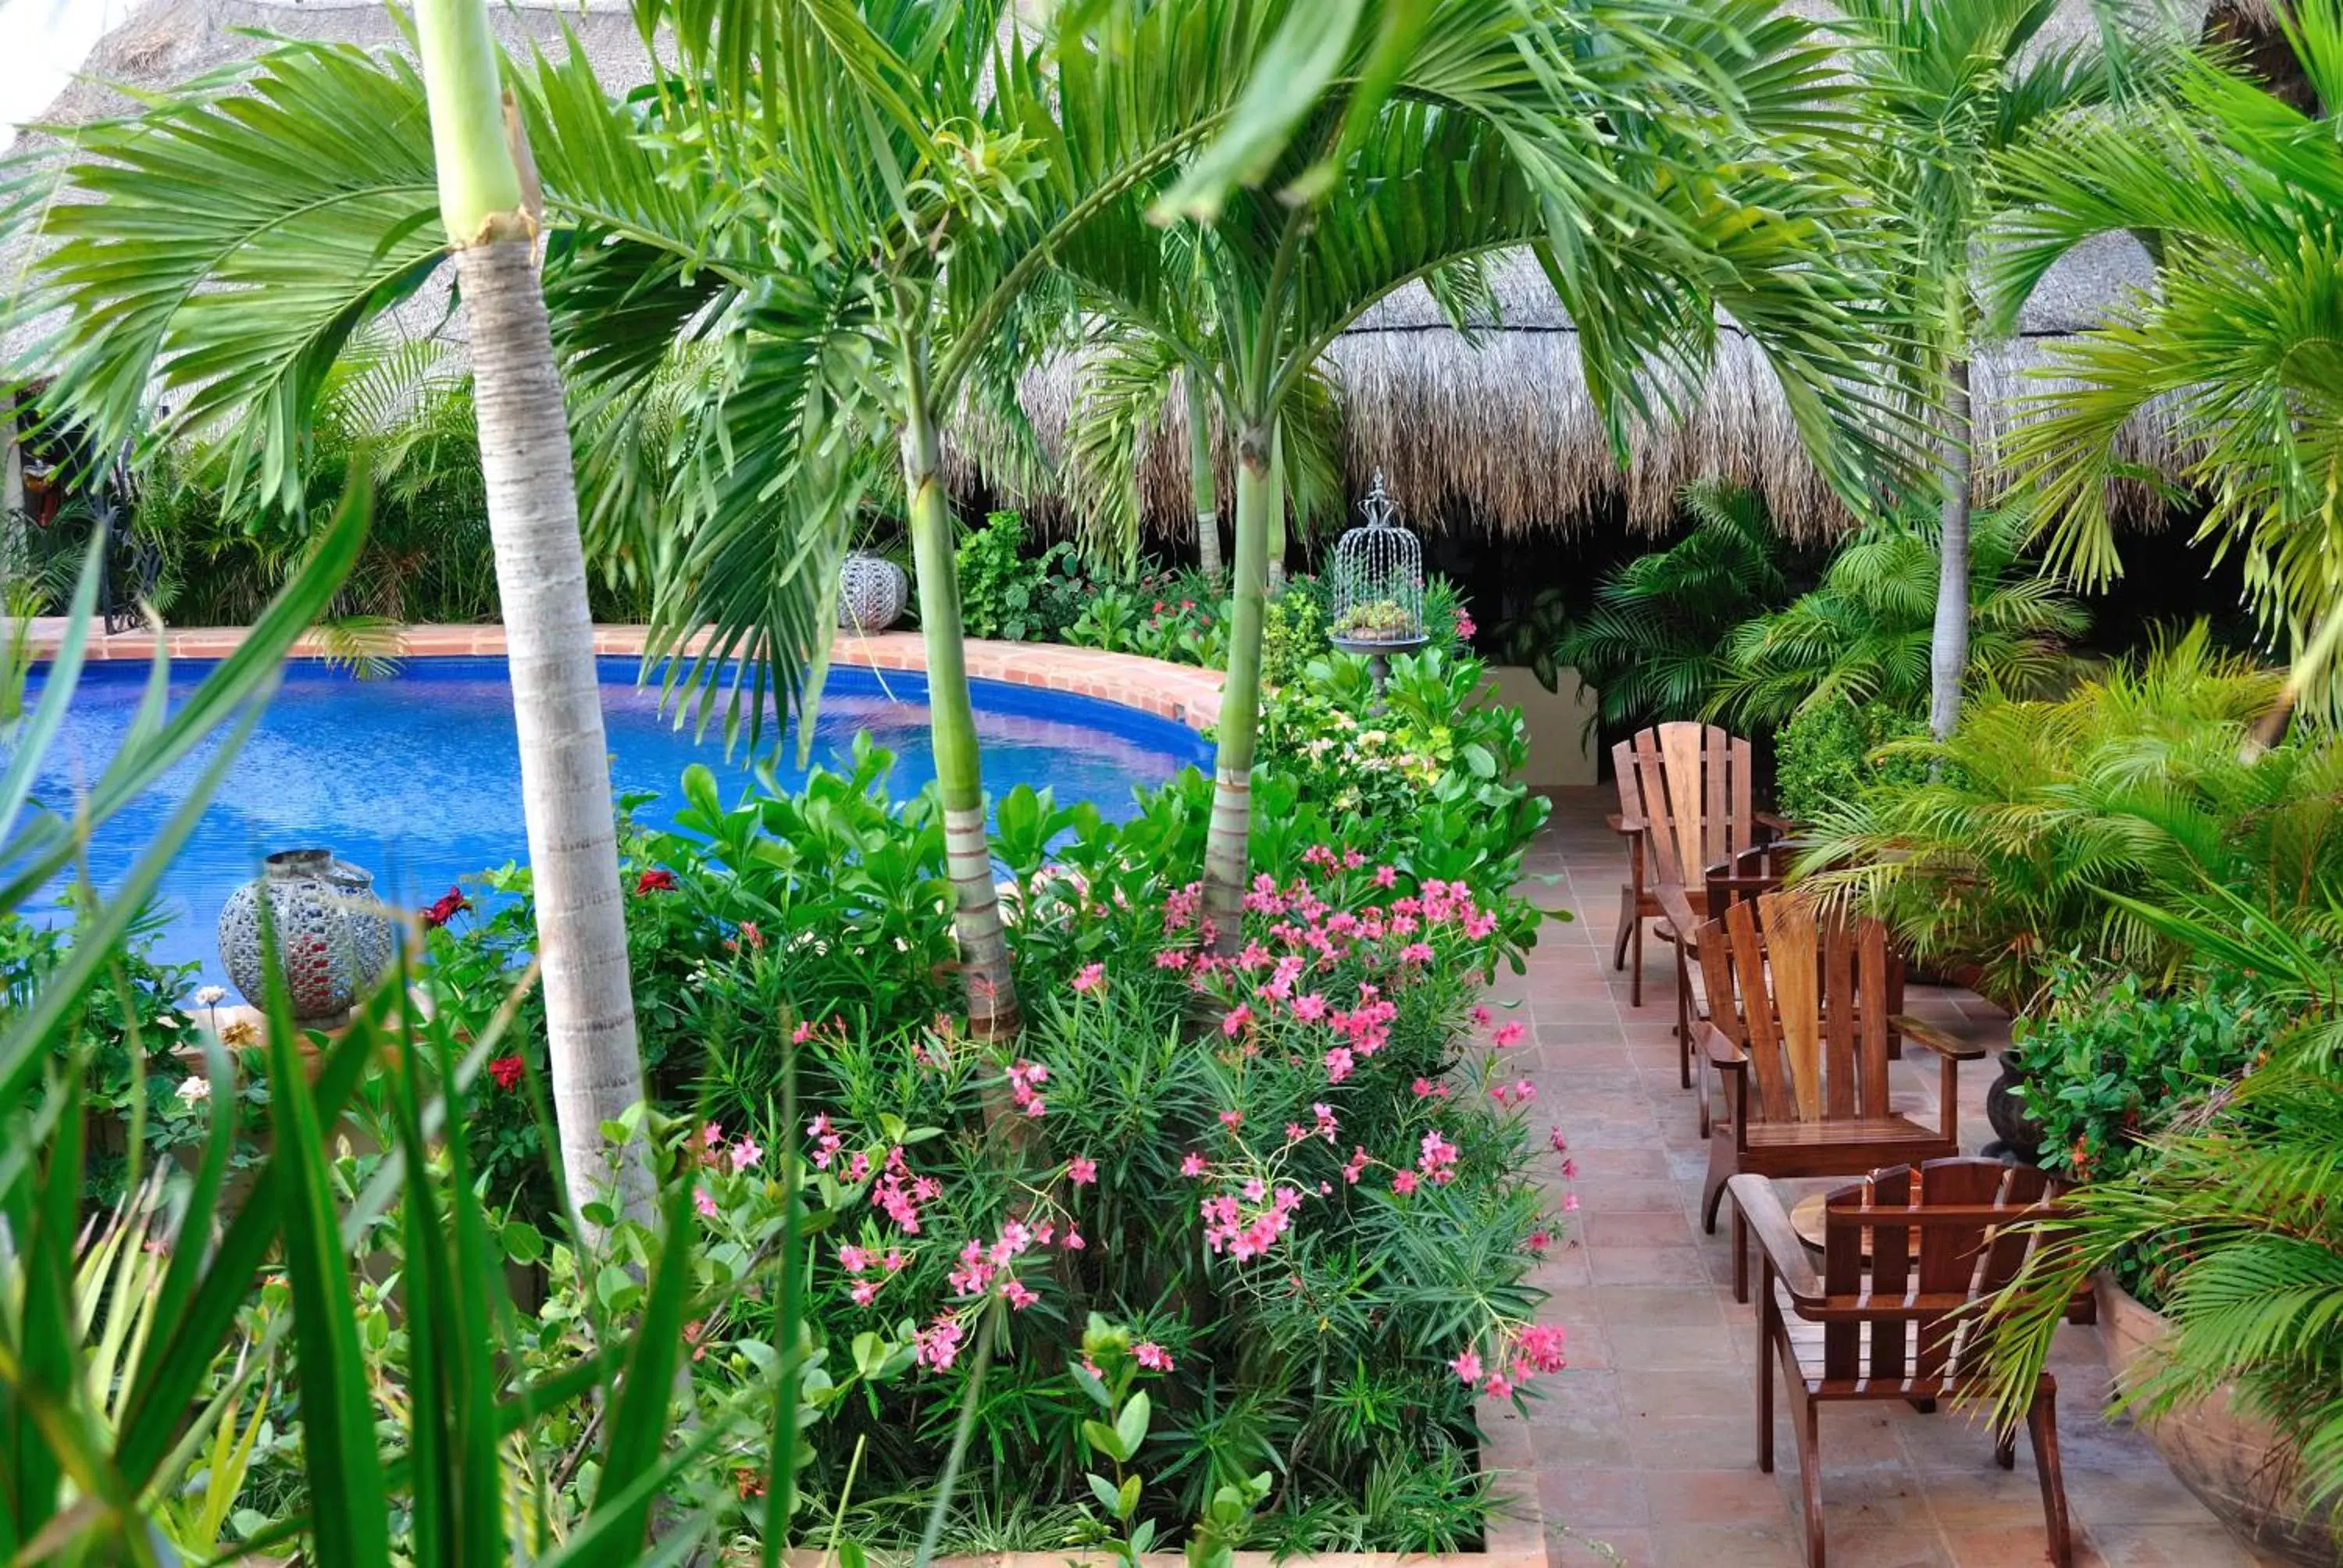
<point x="1948" y="650"/>
<point x="1225" y="843"/>
<point x="532" y="506"/>
<point x="993" y="1011"/>
<point x="1203" y="480"/>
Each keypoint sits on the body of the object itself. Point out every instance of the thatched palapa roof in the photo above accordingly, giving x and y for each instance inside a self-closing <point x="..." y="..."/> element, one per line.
<point x="1495" y="433"/>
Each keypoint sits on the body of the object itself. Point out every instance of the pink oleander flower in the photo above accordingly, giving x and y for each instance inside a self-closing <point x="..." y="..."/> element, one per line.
<point x="1386" y="877"/>
<point x="1402" y="1183"/>
<point x="704" y="1204"/>
<point x="1194" y="1165"/>
<point x="1540" y="1348"/>
<point x="854" y="1258"/>
<point x="746" y="1154"/>
<point x="1081" y="1171"/>
<point x="1537" y="1244"/>
<point x="1311" y="1007"/>
<point x="1508" y="1035"/>
<point x="1073" y="1242"/>
<point x="1093" y="977"/>
<point x="1324" y="1116"/>
<point x="1497" y="1386"/>
<point x="939" y="1344"/>
<point x="1019" y="1295"/>
<point x="1232" y="1119"/>
<point x="1238" y="1017"/>
<point x="1482" y="1018"/>
<point x="1437" y="1159"/>
<point x="1152" y="1356"/>
<point x="1338" y="1063"/>
<point x="894" y="1261"/>
<point x="1171" y="958"/>
<point x="1357" y="1167"/>
<point x="1555" y="1140"/>
<point x="862" y="1292"/>
<point x="1570" y="1202"/>
<point x="1467" y="1367"/>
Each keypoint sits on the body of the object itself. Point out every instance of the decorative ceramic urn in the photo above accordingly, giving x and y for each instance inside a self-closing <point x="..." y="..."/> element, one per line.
<point x="333" y="938"/>
<point x="872" y="593"/>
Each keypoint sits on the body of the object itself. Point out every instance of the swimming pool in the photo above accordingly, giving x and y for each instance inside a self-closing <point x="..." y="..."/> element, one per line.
<point x="417" y="776"/>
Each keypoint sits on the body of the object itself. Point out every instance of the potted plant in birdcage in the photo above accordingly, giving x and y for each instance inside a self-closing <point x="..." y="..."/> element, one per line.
<point x="1377" y="587"/>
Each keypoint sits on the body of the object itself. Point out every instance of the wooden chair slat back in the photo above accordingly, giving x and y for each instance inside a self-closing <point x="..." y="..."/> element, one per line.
<point x="1790" y="944"/>
<point x="1946" y="1231"/>
<point x="1809" y="995"/>
<point x="1625" y="774"/>
<point x="1693" y="786"/>
<point x="1715" y="947"/>
<point x="1773" y="1097"/>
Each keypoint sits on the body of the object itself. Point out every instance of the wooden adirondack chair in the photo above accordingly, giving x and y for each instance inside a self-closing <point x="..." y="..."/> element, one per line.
<point x="1905" y="1255"/>
<point x="1683" y="805"/>
<point x="1798" y="1026"/>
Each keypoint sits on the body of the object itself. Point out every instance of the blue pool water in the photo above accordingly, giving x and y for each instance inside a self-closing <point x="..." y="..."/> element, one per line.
<point x="417" y="777"/>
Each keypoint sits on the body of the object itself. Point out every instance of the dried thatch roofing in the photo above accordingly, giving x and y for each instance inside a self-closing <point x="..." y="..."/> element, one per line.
<point x="1497" y="434"/>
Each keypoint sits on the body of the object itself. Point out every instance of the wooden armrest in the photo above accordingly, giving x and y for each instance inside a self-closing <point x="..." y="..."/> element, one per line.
<point x="1951" y="1047"/>
<point x="1624" y="826"/>
<point x="1726" y="1056"/>
<point x="1761" y="1208"/>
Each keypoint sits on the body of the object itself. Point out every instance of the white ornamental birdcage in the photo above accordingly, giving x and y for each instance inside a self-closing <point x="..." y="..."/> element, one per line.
<point x="1377" y="587"/>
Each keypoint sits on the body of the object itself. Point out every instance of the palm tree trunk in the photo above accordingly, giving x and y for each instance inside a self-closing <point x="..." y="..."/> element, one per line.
<point x="1225" y="842"/>
<point x="532" y="506"/>
<point x="1204" y="480"/>
<point x="1274" y="540"/>
<point x="1948" y="651"/>
<point x="993" y="1011"/>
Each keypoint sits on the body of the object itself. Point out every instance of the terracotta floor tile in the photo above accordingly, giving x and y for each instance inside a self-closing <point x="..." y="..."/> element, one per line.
<point x="1585" y="1498"/>
<point x="1600" y="1549"/>
<point x="1743" y="1545"/>
<point x="1889" y="1546"/>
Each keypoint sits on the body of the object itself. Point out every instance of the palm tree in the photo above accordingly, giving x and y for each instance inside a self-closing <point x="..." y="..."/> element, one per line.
<point x="818" y="238"/>
<point x="227" y="255"/>
<point x="919" y="176"/>
<point x="492" y="221"/>
<point x="1864" y="633"/>
<point x="1949" y="87"/>
<point x="2238" y="194"/>
<point x="1475" y="136"/>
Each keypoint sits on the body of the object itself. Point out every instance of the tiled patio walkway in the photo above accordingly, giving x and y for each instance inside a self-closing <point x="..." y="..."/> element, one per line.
<point x="1645" y="1446"/>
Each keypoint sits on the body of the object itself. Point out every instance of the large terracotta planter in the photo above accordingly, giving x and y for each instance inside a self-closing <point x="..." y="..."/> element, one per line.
<point x="2227" y="1456"/>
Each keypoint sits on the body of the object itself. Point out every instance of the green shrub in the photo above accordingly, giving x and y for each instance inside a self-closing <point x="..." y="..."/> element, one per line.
<point x="1829" y="753"/>
<point x="137" y="1004"/>
<point x="2106" y="1058"/>
<point x="1863" y="634"/>
<point x="2145" y="781"/>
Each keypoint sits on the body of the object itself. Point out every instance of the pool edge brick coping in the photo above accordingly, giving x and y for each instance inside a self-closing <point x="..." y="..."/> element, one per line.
<point x="1180" y="692"/>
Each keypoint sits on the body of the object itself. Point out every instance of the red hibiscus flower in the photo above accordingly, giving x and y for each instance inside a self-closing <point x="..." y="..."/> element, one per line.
<point x="658" y="880"/>
<point x="507" y="1071"/>
<point x="450" y="905"/>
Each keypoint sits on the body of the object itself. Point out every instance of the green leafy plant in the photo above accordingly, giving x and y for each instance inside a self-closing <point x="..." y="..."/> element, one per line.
<point x="1111" y="621"/>
<point x="1863" y="634"/>
<point x="1653" y="645"/>
<point x="2227" y="1217"/>
<point x="1831" y="752"/>
<point x="2145" y="779"/>
<point x="2106" y="1058"/>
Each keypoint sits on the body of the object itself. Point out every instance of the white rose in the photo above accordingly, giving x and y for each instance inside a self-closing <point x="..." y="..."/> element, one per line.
<point x="194" y="1090"/>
